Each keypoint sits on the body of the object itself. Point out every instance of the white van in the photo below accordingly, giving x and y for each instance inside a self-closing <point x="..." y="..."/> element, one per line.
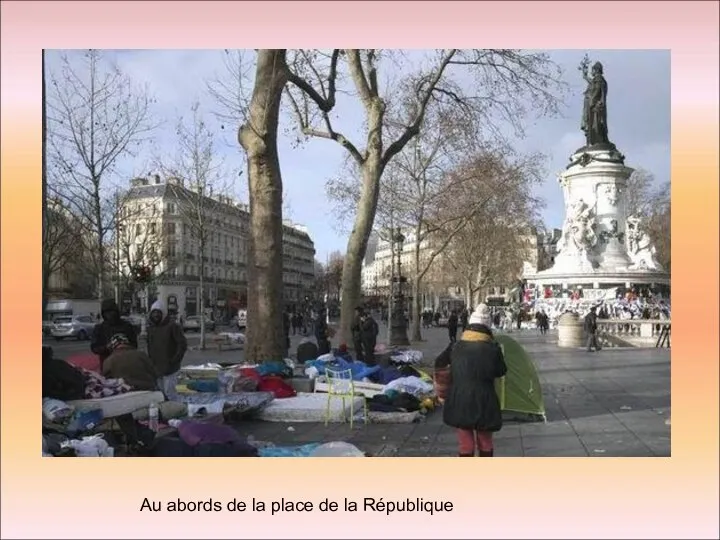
<point x="242" y="319"/>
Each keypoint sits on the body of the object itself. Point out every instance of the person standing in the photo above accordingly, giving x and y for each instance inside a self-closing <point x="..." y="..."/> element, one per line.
<point x="370" y="332"/>
<point x="111" y="325"/>
<point x="472" y="405"/>
<point x="166" y="346"/>
<point x="464" y="318"/>
<point x="286" y="331"/>
<point x="591" y="330"/>
<point x="321" y="333"/>
<point x="452" y="325"/>
<point x="544" y="323"/>
<point x="357" y="333"/>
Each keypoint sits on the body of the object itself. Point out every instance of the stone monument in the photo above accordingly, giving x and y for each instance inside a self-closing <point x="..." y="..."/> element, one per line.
<point x="601" y="247"/>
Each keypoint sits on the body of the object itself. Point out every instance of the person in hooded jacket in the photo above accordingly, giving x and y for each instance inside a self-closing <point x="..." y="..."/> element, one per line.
<point x="166" y="345"/>
<point x="111" y="325"/>
<point x="369" y="333"/>
<point x="471" y="404"/>
<point x="452" y="326"/>
<point x="128" y="363"/>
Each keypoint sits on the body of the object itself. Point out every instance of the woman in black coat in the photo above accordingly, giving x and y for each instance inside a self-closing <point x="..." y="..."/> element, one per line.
<point x="472" y="405"/>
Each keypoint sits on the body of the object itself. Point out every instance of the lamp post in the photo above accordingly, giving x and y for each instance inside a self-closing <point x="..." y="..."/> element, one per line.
<point x="398" y="326"/>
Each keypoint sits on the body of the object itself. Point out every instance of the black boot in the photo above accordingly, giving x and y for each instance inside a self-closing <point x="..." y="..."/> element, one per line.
<point x="466" y="455"/>
<point x="486" y="453"/>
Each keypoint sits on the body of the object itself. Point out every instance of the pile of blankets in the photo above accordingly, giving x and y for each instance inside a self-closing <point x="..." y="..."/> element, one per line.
<point x="97" y="386"/>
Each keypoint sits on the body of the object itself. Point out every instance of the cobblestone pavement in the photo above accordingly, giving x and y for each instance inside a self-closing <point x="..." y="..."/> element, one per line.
<point x="612" y="403"/>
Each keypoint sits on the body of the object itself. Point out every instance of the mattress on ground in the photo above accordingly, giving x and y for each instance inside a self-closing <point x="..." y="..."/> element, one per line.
<point x="367" y="389"/>
<point x="377" y="417"/>
<point x="248" y="400"/>
<point x="309" y="408"/>
<point x="114" y="406"/>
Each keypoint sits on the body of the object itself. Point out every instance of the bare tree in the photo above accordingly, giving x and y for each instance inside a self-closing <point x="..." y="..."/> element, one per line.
<point x="492" y="243"/>
<point x="197" y="180"/>
<point x="509" y="84"/>
<point x="651" y="202"/>
<point x="140" y="243"/>
<point x="46" y="273"/>
<point x="639" y="190"/>
<point x="258" y="137"/>
<point x="61" y="247"/>
<point x="96" y="116"/>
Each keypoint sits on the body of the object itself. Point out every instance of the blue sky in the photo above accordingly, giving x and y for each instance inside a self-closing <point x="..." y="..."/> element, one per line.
<point x="638" y="118"/>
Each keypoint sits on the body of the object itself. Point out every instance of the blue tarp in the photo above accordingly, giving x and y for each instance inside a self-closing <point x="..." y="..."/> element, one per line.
<point x="288" y="451"/>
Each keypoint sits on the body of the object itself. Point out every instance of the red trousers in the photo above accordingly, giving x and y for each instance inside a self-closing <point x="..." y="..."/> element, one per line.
<point x="469" y="440"/>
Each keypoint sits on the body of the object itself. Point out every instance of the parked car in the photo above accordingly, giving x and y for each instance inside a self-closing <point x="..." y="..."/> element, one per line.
<point x="79" y="327"/>
<point x="192" y="324"/>
<point x="47" y="327"/>
<point x="242" y="319"/>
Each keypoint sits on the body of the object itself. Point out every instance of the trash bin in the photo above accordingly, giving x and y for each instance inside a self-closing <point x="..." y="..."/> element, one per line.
<point x="570" y="331"/>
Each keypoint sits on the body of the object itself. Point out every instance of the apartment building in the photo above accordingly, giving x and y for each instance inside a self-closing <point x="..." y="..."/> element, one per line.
<point x="161" y="226"/>
<point x="438" y="291"/>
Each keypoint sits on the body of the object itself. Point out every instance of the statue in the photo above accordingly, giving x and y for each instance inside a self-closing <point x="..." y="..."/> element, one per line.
<point x="594" y="119"/>
<point x="639" y="246"/>
<point x="579" y="230"/>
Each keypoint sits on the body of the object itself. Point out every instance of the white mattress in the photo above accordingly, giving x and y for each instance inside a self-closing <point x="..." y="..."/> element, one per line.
<point x="377" y="417"/>
<point x="121" y="404"/>
<point x="309" y="408"/>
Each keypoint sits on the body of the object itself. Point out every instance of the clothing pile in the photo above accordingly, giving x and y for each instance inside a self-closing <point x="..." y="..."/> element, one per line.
<point x="406" y="357"/>
<point x="97" y="386"/>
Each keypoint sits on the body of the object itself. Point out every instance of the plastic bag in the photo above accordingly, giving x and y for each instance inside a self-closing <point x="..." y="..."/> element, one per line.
<point x="95" y="446"/>
<point x="312" y="372"/>
<point x="55" y="410"/>
<point x="85" y="421"/>
<point x="337" y="449"/>
<point x="215" y="407"/>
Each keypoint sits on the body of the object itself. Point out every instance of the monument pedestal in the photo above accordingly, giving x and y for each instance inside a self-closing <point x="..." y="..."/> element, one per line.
<point x="593" y="248"/>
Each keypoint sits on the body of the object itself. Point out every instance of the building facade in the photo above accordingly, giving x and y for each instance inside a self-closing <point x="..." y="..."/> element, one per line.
<point x="161" y="227"/>
<point x="377" y="272"/>
<point x="440" y="292"/>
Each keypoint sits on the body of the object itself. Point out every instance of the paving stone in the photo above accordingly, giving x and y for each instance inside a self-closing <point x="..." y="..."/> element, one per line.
<point x="607" y="404"/>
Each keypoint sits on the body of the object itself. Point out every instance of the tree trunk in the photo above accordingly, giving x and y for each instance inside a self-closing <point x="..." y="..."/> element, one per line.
<point x="468" y="293"/>
<point x="372" y="170"/>
<point x="46" y="271"/>
<point x="201" y="295"/>
<point x="265" y="333"/>
<point x="416" y="335"/>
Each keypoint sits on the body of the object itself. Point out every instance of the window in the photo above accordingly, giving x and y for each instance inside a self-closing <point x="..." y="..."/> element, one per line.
<point x="170" y="228"/>
<point x="171" y="250"/>
<point x="138" y="229"/>
<point x="152" y="228"/>
<point x="171" y="209"/>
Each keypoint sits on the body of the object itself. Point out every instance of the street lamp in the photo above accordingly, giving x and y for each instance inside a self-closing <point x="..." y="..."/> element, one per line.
<point x="398" y="325"/>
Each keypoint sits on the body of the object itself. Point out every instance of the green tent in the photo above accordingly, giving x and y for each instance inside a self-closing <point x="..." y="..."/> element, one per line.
<point x="519" y="390"/>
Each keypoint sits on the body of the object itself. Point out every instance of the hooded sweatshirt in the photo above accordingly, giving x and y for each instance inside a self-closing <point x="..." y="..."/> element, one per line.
<point x="104" y="331"/>
<point x="166" y="343"/>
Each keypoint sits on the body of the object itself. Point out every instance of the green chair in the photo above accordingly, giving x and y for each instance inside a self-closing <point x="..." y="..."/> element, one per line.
<point x="341" y="385"/>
